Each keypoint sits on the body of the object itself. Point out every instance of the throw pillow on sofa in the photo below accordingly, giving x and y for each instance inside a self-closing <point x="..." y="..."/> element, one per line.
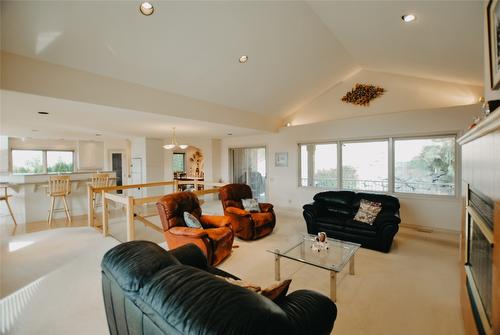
<point x="250" y="205"/>
<point x="192" y="221"/>
<point x="368" y="211"/>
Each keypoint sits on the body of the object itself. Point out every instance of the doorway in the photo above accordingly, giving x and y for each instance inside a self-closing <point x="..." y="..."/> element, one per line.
<point x="249" y="166"/>
<point x="117" y="163"/>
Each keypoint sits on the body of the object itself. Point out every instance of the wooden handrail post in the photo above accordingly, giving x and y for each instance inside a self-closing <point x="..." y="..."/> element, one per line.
<point x="130" y="219"/>
<point x="176" y="185"/>
<point x="104" y="214"/>
<point x="90" y="209"/>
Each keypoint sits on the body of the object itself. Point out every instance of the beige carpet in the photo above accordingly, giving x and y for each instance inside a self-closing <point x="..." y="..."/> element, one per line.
<point x="51" y="280"/>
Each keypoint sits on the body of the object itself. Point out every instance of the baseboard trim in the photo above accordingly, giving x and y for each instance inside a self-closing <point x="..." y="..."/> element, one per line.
<point x="429" y="229"/>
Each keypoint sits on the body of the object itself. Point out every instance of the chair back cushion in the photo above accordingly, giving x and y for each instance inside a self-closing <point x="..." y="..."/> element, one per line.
<point x="172" y="207"/>
<point x="231" y="195"/>
<point x="337" y="202"/>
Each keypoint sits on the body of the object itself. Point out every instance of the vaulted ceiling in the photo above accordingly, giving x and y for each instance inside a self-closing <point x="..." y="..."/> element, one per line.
<point x="297" y="50"/>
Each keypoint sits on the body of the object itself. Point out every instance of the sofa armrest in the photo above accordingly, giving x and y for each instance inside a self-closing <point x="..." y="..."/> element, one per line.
<point x="310" y="208"/>
<point x="265" y="207"/>
<point x="214" y="221"/>
<point x="188" y="232"/>
<point x="190" y="254"/>
<point x="310" y="312"/>
<point x="237" y="211"/>
<point x="385" y="219"/>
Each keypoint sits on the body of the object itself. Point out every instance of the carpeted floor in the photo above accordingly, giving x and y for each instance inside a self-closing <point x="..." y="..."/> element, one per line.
<point x="50" y="280"/>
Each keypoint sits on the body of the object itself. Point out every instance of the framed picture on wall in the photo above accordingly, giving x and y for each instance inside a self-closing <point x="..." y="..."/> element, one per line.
<point x="493" y="13"/>
<point x="281" y="159"/>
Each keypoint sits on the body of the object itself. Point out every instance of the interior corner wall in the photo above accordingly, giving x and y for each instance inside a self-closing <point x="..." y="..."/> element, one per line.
<point x="283" y="189"/>
<point x="4" y="154"/>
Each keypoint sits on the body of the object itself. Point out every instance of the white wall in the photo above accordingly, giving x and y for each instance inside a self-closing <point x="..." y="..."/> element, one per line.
<point x="402" y="93"/>
<point x="4" y="154"/>
<point x="283" y="190"/>
<point x="90" y="155"/>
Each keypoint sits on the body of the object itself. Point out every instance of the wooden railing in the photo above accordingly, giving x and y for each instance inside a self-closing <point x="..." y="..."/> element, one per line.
<point x="130" y="202"/>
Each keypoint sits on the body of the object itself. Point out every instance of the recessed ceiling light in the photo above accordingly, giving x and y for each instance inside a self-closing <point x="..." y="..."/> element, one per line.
<point x="146" y="8"/>
<point x="288" y="124"/>
<point x="229" y="134"/>
<point x="408" y="18"/>
<point x="98" y="134"/>
<point x="243" y="59"/>
<point x="43" y="113"/>
<point x="34" y="130"/>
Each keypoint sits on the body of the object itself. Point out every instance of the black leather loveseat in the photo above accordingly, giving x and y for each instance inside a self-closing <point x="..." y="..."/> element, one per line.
<point x="333" y="212"/>
<point x="150" y="291"/>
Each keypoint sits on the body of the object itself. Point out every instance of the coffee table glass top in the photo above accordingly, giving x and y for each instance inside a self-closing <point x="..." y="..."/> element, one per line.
<point x="335" y="258"/>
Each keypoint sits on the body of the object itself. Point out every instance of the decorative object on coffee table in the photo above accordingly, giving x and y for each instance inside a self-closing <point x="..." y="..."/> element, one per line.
<point x="362" y="94"/>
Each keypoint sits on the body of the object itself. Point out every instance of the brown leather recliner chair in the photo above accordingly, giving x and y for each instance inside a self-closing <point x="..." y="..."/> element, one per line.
<point x="215" y="240"/>
<point x="246" y="225"/>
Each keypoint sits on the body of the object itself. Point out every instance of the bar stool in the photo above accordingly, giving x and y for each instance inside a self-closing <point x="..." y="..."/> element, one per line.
<point x="59" y="186"/>
<point x="99" y="180"/>
<point x="5" y="197"/>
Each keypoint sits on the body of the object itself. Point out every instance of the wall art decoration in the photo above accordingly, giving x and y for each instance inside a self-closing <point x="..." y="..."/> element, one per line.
<point x="362" y="94"/>
<point x="281" y="159"/>
<point x="493" y="41"/>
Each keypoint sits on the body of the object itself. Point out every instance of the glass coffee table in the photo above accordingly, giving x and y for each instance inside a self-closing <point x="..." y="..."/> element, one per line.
<point x="334" y="259"/>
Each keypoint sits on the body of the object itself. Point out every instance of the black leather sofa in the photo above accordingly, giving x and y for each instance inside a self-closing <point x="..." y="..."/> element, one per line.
<point x="333" y="212"/>
<point x="150" y="291"/>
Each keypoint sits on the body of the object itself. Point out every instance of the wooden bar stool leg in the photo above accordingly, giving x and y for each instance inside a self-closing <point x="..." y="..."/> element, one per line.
<point x="10" y="211"/>
<point x="51" y="211"/>
<point x="66" y="208"/>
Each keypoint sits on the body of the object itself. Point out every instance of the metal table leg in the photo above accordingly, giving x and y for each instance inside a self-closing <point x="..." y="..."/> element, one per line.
<point x="277" y="266"/>
<point x="333" y="286"/>
<point x="351" y="266"/>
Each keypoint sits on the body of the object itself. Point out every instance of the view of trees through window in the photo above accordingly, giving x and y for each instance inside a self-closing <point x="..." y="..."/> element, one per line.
<point x="41" y="161"/>
<point x="423" y="165"/>
<point x="178" y="162"/>
<point x="27" y="161"/>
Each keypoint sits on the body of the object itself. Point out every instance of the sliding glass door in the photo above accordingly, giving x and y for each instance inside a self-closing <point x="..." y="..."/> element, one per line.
<point x="248" y="166"/>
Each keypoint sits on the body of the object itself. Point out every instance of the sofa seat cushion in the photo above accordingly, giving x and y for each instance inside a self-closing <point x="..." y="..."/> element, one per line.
<point x="338" y="220"/>
<point x="262" y="219"/>
<point x="354" y="226"/>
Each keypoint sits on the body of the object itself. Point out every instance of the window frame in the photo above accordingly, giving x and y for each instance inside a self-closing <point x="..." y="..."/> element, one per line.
<point x="183" y="160"/>
<point x="391" y="164"/>
<point x="456" y="179"/>
<point x="44" y="161"/>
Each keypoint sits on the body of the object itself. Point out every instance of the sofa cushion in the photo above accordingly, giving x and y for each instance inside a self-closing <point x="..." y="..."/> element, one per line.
<point x="339" y="220"/>
<point x="132" y="264"/>
<point x="192" y="221"/>
<point x="335" y="202"/>
<point x="368" y="211"/>
<point x="389" y="203"/>
<point x="262" y="219"/>
<point x="250" y="205"/>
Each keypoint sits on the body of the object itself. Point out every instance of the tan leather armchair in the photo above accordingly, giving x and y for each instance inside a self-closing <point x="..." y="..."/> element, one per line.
<point x="216" y="237"/>
<point x="246" y="225"/>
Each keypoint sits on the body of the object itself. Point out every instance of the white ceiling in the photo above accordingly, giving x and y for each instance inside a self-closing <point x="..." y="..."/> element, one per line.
<point x="445" y="42"/>
<point x="297" y="50"/>
<point x="65" y="121"/>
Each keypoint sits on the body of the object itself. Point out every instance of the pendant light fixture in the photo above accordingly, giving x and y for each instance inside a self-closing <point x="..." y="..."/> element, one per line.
<point x="174" y="143"/>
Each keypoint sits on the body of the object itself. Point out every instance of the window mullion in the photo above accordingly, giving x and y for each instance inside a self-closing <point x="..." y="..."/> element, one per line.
<point x="44" y="161"/>
<point x="391" y="166"/>
<point x="339" y="165"/>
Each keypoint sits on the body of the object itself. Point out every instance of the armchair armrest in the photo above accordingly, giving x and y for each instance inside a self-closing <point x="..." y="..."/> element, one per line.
<point x="188" y="232"/>
<point x="215" y="221"/>
<point x="237" y="211"/>
<point x="265" y="207"/>
<point x="310" y="312"/>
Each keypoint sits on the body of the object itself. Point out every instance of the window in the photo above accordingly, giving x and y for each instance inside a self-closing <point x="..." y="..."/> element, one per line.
<point x="417" y="165"/>
<point x="27" y="161"/>
<point x="42" y="161"/>
<point x="425" y="166"/>
<point x="59" y="161"/>
<point x="319" y="165"/>
<point x="365" y="166"/>
<point x="178" y="162"/>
